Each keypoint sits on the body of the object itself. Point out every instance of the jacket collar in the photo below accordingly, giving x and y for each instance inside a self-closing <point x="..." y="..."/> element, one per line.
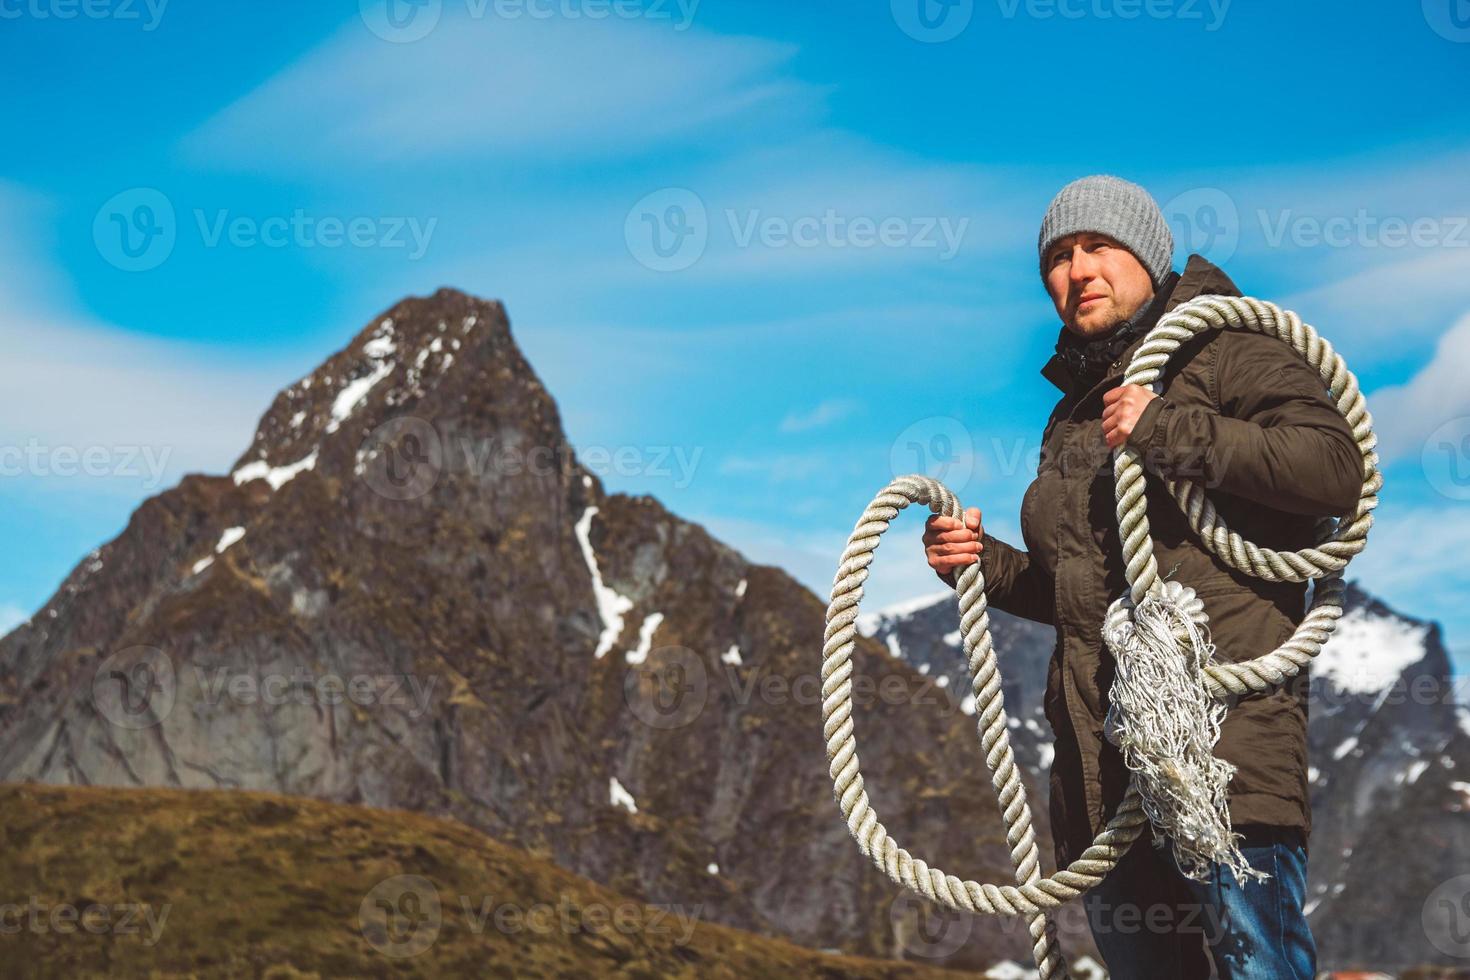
<point x="1200" y="277"/>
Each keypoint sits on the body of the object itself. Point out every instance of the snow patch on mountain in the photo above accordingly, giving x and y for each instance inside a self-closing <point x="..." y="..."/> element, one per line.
<point x="870" y="623"/>
<point x="618" y="796"/>
<point x="1369" y="651"/>
<point x="228" y="537"/>
<point x="645" y="638"/>
<point x="276" y="476"/>
<point x="354" y="392"/>
<point x="610" y="604"/>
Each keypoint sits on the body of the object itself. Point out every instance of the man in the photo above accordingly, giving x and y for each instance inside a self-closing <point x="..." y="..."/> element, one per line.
<point x="1242" y="413"/>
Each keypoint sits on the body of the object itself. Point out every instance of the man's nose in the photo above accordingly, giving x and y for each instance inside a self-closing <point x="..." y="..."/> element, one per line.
<point x="1081" y="269"/>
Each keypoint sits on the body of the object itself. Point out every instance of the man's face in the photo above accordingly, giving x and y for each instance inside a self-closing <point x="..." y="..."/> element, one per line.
<point x="1095" y="283"/>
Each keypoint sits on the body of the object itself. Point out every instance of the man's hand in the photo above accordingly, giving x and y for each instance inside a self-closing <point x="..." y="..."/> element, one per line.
<point x="1121" y="409"/>
<point x="949" y="544"/>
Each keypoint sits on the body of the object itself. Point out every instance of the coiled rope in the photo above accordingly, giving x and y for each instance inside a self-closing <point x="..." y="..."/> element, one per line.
<point x="1339" y="540"/>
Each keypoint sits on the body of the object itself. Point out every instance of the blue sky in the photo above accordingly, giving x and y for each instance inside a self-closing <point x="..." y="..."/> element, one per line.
<point x="774" y="253"/>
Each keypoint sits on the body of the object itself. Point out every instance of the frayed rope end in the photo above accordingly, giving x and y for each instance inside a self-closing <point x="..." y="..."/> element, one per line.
<point x="1165" y="723"/>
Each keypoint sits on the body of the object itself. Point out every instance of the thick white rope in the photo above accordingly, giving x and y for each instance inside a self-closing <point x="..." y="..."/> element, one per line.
<point x="1034" y="894"/>
<point x="1165" y="720"/>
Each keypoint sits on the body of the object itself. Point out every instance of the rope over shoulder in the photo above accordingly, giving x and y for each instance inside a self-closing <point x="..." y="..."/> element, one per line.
<point x="1034" y="895"/>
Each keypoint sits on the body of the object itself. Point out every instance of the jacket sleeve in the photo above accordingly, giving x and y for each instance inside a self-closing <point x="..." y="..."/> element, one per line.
<point x="1278" y="438"/>
<point x="1013" y="582"/>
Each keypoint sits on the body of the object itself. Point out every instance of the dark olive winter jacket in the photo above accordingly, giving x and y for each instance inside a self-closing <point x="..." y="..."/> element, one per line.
<point x="1244" y="414"/>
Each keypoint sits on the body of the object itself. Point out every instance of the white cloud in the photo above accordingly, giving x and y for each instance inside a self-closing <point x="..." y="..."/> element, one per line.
<point x="1415" y="560"/>
<point x="780" y="467"/>
<point x="829" y="411"/>
<point x="488" y="87"/>
<point x="1348" y="227"/>
<point x="1404" y="415"/>
<point x="1383" y="308"/>
<point x="96" y="406"/>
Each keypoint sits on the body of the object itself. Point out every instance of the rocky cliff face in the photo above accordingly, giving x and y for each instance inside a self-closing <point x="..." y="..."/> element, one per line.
<point x="1389" y="740"/>
<point x="409" y="593"/>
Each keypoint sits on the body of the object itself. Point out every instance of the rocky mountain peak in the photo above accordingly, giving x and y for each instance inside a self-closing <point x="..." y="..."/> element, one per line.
<point x="409" y="593"/>
<point x="448" y="356"/>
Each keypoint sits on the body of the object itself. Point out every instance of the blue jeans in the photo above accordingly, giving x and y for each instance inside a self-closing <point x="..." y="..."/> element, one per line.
<point x="1150" y="921"/>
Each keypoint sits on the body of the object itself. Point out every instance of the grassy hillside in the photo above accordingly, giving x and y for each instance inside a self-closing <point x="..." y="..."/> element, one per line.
<point x="178" y="883"/>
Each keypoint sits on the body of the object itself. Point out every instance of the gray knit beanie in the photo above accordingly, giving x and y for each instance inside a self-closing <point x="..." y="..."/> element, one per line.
<point x="1114" y="207"/>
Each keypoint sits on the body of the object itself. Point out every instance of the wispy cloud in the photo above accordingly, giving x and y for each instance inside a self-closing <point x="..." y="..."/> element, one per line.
<point x="829" y="411"/>
<point x="779" y="467"/>
<point x="1405" y="415"/>
<point x="487" y="87"/>
<point x="116" y="411"/>
<point x="1376" y="246"/>
<point x="1415" y="559"/>
<point x="132" y="413"/>
<point x="1374" y="312"/>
